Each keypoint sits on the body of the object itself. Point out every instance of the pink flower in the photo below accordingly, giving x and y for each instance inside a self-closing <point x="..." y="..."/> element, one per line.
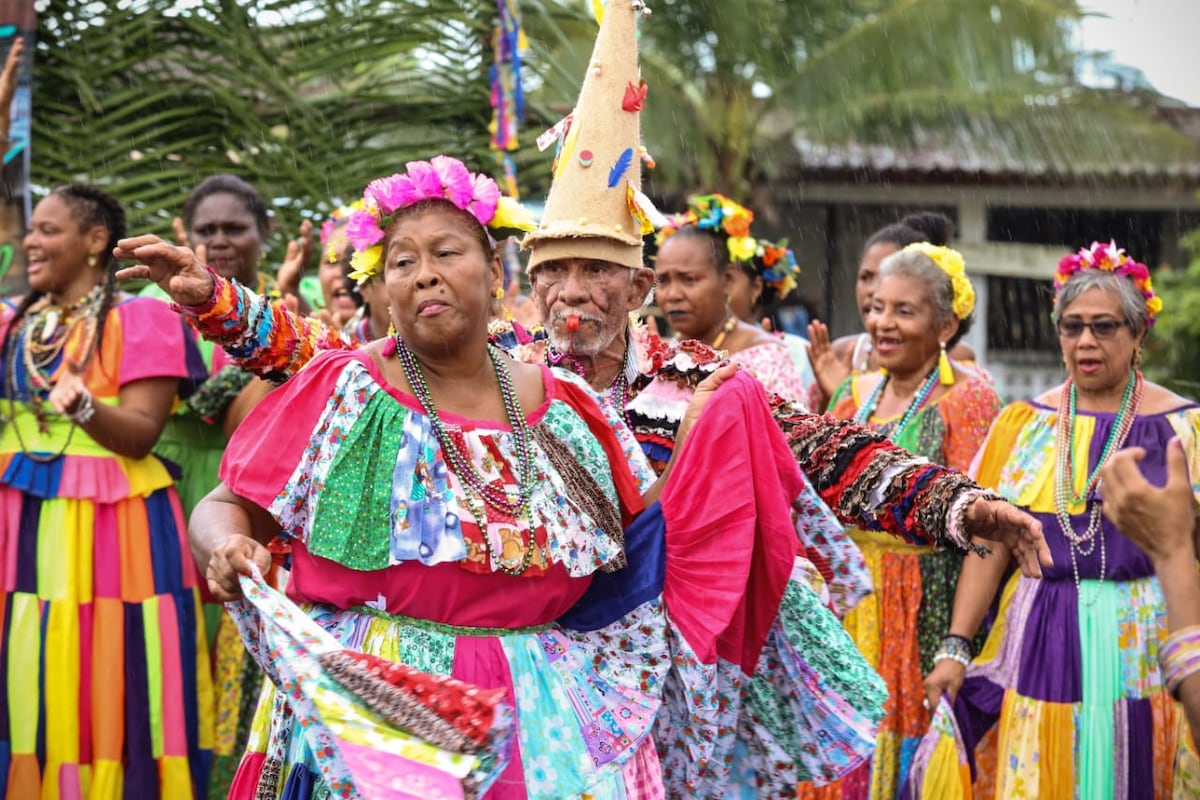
<point x="390" y="193"/>
<point x="427" y="185"/>
<point x="485" y="198"/>
<point x="362" y="229"/>
<point x="455" y="180"/>
<point x="326" y="230"/>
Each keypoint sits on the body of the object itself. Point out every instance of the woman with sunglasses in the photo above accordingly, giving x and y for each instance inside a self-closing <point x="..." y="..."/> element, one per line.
<point x="1070" y="671"/>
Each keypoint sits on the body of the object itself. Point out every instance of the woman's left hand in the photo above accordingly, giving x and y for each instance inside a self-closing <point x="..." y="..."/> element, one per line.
<point x="1000" y="521"/>
<point x="704" y="392"/>
<point x="69" y="391"/>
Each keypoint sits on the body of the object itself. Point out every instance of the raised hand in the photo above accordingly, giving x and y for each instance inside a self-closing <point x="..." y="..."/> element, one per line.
<point x="827" y="367"/>
<point x="1000" y="521"/>
<point x="520" y="307"/>
<point x="177" y="270"/>
<point x="299" y="251"/>
<point x="1160" y="521"/>
<point x="8" y="83"/>
<point x="180" y="231"/>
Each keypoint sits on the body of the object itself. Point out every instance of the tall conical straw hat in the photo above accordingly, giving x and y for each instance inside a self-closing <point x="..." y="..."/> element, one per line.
<point x="590" y="212"/>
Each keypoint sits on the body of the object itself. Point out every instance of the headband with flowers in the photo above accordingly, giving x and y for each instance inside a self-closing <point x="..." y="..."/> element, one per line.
<point x="1110" y="258"/>
<point x="440" y="178"/>
<point x="773" y="262"/>
<point x="333" y="231"/>
<point x="951" y="262"/>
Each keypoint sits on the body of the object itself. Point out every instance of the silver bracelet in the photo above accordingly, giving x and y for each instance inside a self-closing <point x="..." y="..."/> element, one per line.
<point x="945" y="655"/>
<point x="85" y="411"/>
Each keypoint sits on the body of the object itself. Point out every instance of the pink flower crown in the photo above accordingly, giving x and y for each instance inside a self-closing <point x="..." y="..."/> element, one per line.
<point x="440" y="178"/>
<point x="1110" y="258"/>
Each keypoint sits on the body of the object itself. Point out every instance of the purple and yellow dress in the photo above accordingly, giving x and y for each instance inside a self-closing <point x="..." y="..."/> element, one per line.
<point x="1066" y="698"/>
<point x="104" y="678"/>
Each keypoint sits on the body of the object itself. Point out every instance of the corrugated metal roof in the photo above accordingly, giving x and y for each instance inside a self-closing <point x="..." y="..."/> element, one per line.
<point x="1054" y="141"/>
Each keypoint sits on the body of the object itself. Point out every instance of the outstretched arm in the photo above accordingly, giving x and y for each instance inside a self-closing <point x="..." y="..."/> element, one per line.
<point x="872" y="484"/>
<point x="260" y="336"/>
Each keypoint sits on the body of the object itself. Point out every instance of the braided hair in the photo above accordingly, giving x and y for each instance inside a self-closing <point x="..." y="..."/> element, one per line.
<point x="89" y="206"/>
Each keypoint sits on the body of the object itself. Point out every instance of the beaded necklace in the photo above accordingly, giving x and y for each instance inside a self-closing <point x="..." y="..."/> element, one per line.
<point x="40" y="337"/>
<point x="617" y="391"/>
<point x="1064" y="469"/>
<point x="730" y="324"/>
<point x="499" y="499"/>
<point x="914" y="408"/>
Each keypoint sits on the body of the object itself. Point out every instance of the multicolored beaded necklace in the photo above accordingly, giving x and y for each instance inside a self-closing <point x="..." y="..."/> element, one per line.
<point x="918" y="402"/>
<point x="618" y="390"/>
<point x="730" y="324"/>
<point x="40" y="337"/>
<point x="1064" y="468"/>
<point x="463" y="466"/>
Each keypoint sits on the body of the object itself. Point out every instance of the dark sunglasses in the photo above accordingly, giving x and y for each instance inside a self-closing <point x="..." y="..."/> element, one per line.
<point x="1101" y="328"/>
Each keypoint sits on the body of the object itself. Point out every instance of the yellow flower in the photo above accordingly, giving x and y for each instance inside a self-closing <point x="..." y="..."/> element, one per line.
<point x="964" y="296"/>
<point x="1154" y="305"/>
<point x="366" y="265"/>
<point x="511" y="215"/>
<point x="742" y="248"/>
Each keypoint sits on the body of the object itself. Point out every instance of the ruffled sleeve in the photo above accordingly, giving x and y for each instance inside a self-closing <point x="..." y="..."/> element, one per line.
<point x="968" y="411"/>
<point x="152" y="339"/>
<point x="269" y="443"/>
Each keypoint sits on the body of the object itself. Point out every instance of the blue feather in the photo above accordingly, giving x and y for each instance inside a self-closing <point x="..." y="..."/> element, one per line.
<point x="618" y="171"/>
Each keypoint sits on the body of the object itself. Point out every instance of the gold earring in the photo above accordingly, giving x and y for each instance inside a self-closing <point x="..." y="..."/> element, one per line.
<point x="391" y="324"/>
<point x="499" y="293"/>
<point x="945" y="368"/>
<point x="92" y="260"/>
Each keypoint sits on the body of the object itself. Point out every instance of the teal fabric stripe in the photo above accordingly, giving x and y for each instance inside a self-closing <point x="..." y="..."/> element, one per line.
<point x="1100" y="658"/>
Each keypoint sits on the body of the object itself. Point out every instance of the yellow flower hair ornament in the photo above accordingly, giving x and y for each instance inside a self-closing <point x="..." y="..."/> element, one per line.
<point x="951" y="262"/>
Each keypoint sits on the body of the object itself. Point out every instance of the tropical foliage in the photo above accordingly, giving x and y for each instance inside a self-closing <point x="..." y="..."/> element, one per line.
<point x="306" y="100"/>
<point x="1173" y="348"/>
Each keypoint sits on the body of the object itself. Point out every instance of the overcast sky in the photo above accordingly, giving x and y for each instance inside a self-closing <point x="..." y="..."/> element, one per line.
<point x="1158" y="37"/>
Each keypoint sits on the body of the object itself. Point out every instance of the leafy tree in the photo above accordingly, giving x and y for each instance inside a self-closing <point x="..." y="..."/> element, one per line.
<point x="306" y="100"/>
<point x="730" y="82"/>
<point x="1173" y="348"/>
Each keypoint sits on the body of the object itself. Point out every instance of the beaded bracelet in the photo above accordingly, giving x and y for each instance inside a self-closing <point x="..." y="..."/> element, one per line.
<point x="957" y="519"/>
<point x="1179" y="657"/>
<point x="954" y="648"/>
<point x="86" y="409"/>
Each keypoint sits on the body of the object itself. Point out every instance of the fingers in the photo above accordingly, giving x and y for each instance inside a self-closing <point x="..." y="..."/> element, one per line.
<point x="719" y="376"/>
<point x="181" y="236"/>
<point x="1121" y="473"/>
<point x="306" y="242"/>
<point x="126" y="246"/>
<point x="238" y="555"/>
<point x="202" y="253"/>
<point x="1178" y="480"/>
<point x="767" y="325"/>
<point x="139" y="272"/>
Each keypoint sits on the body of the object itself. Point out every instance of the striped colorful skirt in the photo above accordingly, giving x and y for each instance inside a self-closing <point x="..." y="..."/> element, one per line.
<point x="105" y="687"/>
<point x="898" y="628"/>
<point x="1066" y="700"/>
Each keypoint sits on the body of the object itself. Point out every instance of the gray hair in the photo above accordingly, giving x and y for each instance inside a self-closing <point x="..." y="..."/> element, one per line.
<point x="1133" y="305"/>
<point x="915" y="264"/>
